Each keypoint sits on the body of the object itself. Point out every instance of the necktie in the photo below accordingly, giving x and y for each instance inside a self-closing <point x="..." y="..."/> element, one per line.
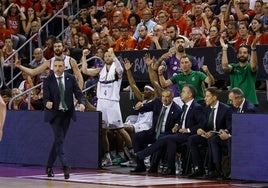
<point x="211" y="119"/>
<point x="184" y="108"/>
<point x="62" y="95"/>
<point x="238" y="110"/>
<point x="160" y="122"/>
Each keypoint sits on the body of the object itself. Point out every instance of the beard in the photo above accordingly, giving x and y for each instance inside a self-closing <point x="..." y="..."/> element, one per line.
<point x="58" y="53"/>
<point x="242" y="59"/>
<point x="180" y="49"/>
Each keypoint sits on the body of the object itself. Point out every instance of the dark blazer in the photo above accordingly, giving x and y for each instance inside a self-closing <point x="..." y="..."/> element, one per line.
<point x="155" y="106"/>
<point x="248" y="107"/>
<point x="52" y="94"/>
<point x="223" y="117"/>
<point x="195" y="117"/>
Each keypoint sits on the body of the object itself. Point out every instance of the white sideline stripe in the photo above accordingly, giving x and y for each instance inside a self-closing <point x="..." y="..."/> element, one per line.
<point x="121" y="179"/>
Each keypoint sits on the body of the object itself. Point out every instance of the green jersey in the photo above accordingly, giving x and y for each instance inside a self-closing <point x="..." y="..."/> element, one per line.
<point x="244" y="78"/>
<point x="195" y="78"/>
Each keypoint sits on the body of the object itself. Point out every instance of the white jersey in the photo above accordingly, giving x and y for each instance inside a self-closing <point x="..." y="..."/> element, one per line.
<point x="109" y="86"/>
<point x="66" y="62"/>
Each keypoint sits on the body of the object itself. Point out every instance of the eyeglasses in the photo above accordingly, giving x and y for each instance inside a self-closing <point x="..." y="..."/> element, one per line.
<point x="241" y="3"/>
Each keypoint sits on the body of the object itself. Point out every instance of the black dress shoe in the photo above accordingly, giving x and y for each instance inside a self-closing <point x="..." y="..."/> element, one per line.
<point x="214" y="174"/>
<point x="66" y="171"/>
<point x="168" y="171"/>
<point x="197" y="173"/>
<point x="49" y="172"/>
<point x="153" y="169"/>
<point x="139" y="168"/>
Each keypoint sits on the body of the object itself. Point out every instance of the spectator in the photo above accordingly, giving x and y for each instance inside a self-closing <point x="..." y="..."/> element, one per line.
<point x="49" y="47"/>
<point x="258" y="31"/>
<point x="258" y="9"/>
<point x="95" y="42"/>
<point x="209" y="18"/>
<point x="44" y="10"/>
<point x="125" y="42"/>
<point x="245" y="38"/>
<point x="6" y="95"/>
<point x="197" y="39"/>
<point x="19" y="103"/>
<point x="144" y="39"/>
<point x="9" y="66"/>
<point x="125" y="11"/>
<point x="213" y="38"/>
<point x="163" y="18"/>
<point x="146" y="20"/>
<point x="30" y="16"/>
<point x="232" y="33"/>
<point x="242" y="11"/>
<point x="159" y="40"/>
<point x="23" y="4"/>
<point x="133" y="20"/>
<point x="178" y="19"/>
<point x="83" y="42"/>
<point x="77" y="24"/>
<point x="14" y="17"/>
<point x="190" y="20"/>
<point x="264" y="17"/>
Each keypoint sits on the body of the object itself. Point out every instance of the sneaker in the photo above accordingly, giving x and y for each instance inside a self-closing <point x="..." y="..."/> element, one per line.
<point x="129" y="153"/>
<point x="118" y="160"/>
<point x="106" y="162"/>
<point x="130" y="163"/>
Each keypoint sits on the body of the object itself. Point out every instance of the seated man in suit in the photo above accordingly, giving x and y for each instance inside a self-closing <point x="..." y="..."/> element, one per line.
<point x="219" y="116"/>
<point x="239" y="103"/>
<point x="191" y="119"/>
<point x="166" y="114"/>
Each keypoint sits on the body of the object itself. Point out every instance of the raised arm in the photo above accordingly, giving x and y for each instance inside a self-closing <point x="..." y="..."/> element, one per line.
<point x="131" y="80"/>
<point x="85" y="70"/>
<point x="224" y="60"/>
<point x="153" y="74"/>
<point x="34" y="71"/>
<point x="253" y="57"/>
<point x="164" y="83"/>
<point x="209" y="79"/>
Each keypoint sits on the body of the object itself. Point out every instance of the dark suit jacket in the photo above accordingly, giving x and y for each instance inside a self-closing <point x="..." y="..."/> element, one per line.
<point x="52" y="94"/>
<point x="248" y="107"/>
<point x="195" y="117"/>
<point x="173" y="117"/>
<point x="223" y="117"/>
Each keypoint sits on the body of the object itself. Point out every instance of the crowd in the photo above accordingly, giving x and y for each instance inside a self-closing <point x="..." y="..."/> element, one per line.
<point x="188" y="114"/>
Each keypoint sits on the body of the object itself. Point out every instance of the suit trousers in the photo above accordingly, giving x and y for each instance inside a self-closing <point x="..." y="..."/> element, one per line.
<point x="60" y="126"/>
<point x="173" y="142"/>
<point x="215" y="148"/>
<point x="194" y="142"/>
